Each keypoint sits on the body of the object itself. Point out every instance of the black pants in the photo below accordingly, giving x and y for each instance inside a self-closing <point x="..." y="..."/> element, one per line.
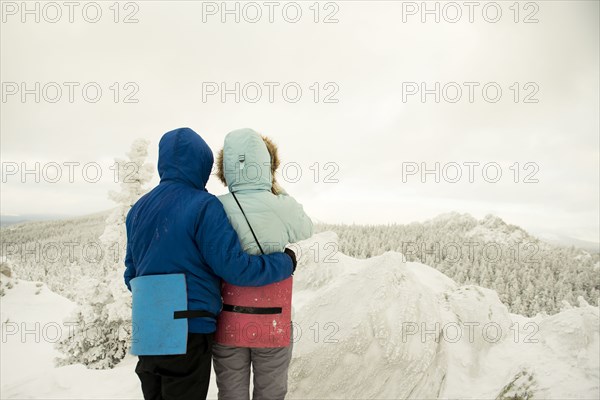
<point x="184" y="376"/>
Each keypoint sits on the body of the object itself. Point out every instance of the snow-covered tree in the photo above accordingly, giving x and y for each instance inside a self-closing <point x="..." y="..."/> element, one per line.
<point x="103" y="319"/>
<point x="133" y="175"/>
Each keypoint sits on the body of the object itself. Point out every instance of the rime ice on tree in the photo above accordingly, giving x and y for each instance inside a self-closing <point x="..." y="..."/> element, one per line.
<point x="105" y="306"/>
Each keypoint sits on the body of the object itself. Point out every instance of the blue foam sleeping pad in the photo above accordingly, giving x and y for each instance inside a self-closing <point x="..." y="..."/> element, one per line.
<point x="155" y="331"/>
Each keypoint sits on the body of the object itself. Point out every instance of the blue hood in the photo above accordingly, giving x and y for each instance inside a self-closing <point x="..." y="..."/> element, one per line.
<point x="183" y="156"/>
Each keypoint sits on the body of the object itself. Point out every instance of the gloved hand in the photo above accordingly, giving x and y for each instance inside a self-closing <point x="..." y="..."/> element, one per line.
<point x="292" y="255"/>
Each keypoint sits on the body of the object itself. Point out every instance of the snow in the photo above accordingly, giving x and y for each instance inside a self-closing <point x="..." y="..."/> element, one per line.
<point x="387" y="313"/>
<point x="365" y="328"/>
<point x="27" y="368"/>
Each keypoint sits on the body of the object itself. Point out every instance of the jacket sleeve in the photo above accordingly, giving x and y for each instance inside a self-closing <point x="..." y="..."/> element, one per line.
<point x="129" y="265"/>
<point x="298" y="224"/>
<point x="221" y="249"/>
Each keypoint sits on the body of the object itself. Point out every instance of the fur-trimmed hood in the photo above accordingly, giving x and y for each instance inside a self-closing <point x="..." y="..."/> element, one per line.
<point x="248" y="161"/>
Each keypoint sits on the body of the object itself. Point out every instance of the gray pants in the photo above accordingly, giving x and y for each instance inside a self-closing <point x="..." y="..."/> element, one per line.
<point x="269" y="366"/>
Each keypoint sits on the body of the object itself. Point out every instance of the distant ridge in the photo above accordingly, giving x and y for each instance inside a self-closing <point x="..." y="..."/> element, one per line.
<point x="8" y="219"/>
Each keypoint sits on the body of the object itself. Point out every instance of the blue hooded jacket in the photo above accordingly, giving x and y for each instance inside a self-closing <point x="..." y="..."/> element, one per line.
<point x="178" y="227"/>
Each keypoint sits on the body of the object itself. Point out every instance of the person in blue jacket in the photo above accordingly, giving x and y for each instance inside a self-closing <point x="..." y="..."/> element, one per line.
<point x="178" y="227"/>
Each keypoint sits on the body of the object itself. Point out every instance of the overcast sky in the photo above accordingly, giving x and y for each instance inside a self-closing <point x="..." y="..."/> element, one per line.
<point x="370" y="61"/>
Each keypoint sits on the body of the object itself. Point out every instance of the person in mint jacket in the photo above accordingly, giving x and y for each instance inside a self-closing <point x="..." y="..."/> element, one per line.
<point x="178" y="227"/>
<point x="254" y="329"/>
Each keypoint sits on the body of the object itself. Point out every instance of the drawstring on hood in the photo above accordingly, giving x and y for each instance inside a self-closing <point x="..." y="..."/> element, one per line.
<point x="248" y="161"/>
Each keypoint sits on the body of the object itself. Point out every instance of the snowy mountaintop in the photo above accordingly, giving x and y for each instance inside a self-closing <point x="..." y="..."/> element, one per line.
<point x="489" y="229"/>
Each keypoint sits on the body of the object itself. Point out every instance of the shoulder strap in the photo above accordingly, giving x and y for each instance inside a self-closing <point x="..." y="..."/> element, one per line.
<point x="248" y="222"/>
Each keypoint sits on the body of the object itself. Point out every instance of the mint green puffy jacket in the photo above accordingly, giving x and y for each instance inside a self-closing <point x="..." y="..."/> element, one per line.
<point x="277" y="220"/>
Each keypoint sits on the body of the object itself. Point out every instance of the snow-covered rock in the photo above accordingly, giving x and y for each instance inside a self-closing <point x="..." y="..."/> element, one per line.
<point x="384" y="328"/>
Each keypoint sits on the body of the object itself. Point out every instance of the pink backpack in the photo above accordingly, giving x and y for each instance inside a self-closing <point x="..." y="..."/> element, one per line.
<point x="256" y="316"/>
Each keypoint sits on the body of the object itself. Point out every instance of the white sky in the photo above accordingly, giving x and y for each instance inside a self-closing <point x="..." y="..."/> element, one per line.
<point x="368" y="134"/>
